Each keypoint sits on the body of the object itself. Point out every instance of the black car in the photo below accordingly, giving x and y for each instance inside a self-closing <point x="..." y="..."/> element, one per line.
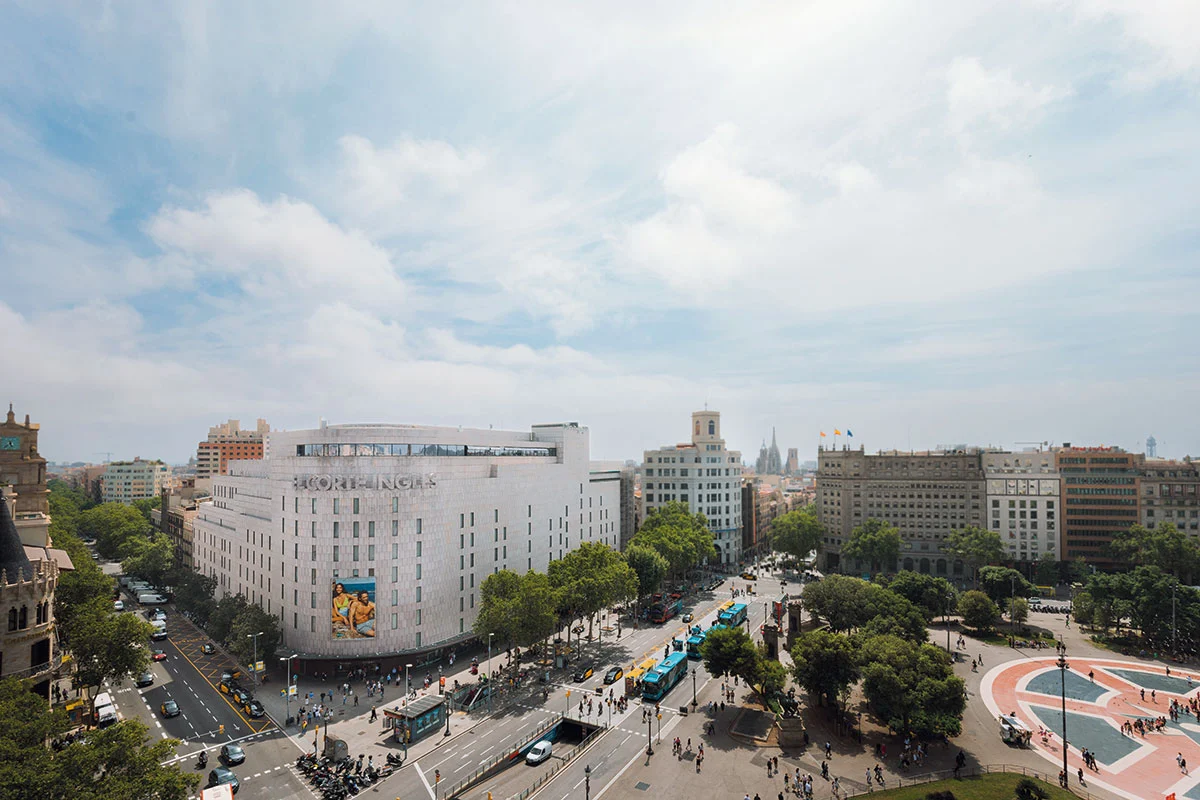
<point x="583" y="673"/>
<point x="613" y="675"/>
<point x="254" y="709"/>
<point x="240" y="696"/>
<point x="232" y="754"/>
<point x="169" y="708"/>
<point x="145" y="679"/>
<point x="207" y="649"/>
<point x="221" y="775"/>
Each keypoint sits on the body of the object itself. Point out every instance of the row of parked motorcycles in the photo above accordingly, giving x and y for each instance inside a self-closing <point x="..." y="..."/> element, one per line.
<point x="1049" y="609"/>
<point x="337" y="780"/>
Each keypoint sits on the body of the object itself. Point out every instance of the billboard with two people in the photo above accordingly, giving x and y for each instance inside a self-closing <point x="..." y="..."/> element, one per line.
<point x="353" y="608"/>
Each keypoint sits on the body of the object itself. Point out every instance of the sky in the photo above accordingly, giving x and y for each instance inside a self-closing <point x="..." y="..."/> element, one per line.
<point x="931" y="223"/>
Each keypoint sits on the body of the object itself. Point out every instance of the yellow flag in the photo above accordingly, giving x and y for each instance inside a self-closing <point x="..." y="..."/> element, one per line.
<point x="836" y="432"/>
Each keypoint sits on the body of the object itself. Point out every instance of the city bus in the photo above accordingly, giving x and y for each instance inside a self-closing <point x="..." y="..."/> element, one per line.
<point x="693" y="643"/>
<point x="735" y="615"/>
<point x="728" y="604"/>
<point x="635" y="676"/>
<point x="663" y="678"/>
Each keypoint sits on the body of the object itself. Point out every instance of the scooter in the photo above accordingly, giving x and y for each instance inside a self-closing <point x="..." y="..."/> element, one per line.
<point x="203" y="760"/>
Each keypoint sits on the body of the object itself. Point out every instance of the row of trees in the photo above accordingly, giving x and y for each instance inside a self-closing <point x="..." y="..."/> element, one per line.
<point x="1147" y="600"/>
<point x="877" y="636"/>
<point x="520" y="610"/>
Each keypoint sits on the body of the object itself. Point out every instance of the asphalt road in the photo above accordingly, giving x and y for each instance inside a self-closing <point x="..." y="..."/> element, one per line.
<point x="208" y="719"/>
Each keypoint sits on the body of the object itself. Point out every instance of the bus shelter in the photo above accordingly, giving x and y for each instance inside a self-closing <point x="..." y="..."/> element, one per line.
<point x="419" y="718"/>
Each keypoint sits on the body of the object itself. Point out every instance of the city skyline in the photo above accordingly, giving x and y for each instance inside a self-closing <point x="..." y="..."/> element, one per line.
<point x="536" y="215"/>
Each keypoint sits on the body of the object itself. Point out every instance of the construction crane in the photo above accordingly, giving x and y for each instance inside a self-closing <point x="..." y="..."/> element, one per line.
<point x="1039" y="445"/>
<point x="107" y="456"/>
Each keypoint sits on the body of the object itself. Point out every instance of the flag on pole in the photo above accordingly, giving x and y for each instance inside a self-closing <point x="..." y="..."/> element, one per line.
<point x="836" y="432"/>
<point x="822" y="434"/>
<point x="849" y="432"/>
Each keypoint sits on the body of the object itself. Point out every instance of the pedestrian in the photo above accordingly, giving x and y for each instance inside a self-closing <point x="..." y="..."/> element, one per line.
<point x="374" y="716"/>
<point x="322" y="697"/>
<point x="356" y="701"/>
<point x="1183" y="766"/>
<point x="1082" y="782"/>
<point x="1153" y="696"/>
<point x="828" y="750"/>
<point x="1091" y="676"/>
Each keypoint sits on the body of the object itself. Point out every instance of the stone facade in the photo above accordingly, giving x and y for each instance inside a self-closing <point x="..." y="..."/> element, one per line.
<point x="926" y="495"/>
<point x="705" y="476"/>
<point x="1024" y="502"/>
<point x="126" y="481"/>
<point x="1170" y="492"/>
<point x="426" y="512"/>
<point x="24" y="471"/>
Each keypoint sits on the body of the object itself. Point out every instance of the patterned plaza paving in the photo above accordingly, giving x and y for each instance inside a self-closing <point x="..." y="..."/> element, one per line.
<point x="1101" y="694"/>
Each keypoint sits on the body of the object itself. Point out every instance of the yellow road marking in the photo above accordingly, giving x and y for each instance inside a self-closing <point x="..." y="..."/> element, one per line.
<point x="222" y="695"/>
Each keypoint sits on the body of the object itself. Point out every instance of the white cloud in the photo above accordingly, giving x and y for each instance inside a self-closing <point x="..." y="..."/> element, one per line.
<point x="278" y="248"/>
<point x="1165" y="34"/>
<point x="993" y="100"/>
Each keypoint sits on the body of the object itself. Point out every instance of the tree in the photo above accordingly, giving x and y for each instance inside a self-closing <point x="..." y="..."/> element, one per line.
<point x="1001" y="583"/>
<point x="875" y="542"/>
<point x="826" y="664"/>
<point x="114" y="527"/>
<point x="499" y="595"/>
<point x="107" y="646"/>
<point x="146" y="505"/>
<point x="242" y="643"/>
<point x="1018" y="610"/>
<point x="590" y="578"/>
<point x="797" y="533"/>
<point x="649" y="566"/>
<point x="223" y="614"/>
<point x="30" y="770"/>
<point x="849" y="604"/>
<point x="974" y="546"/>
<point x="977" y="610"/>
<point x="1047" y="570"/>
<point x="536" y="609"/>
<point x="149" y="559"/>
<point x="768" y="676"/>
<point x="1083" y="607"/>
<point x="1029" y="790"/>
<point x="678" y="535"/>
<point x="729" y="651"/>
<point x="193" y="593"/>
<point x="912" y="687"/>
<point x="932" y="595"/>
<point x="1165" y="547"/>
<point x="79" y="586"/>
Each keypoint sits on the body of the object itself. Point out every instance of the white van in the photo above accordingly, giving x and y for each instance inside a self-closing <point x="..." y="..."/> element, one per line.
<point x="151" y="599"/>
<point x="160" y="630"/>
<point x="105" y="713"/>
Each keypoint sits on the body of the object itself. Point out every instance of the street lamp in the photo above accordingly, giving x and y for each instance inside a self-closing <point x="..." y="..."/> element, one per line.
<point x="449" y="709"/>
<point x="489" y="672"/>
<point x="1062" y="666"/>
<point x="407" y="685"/>
<point x="587" y="782"/>
<point x="290" y="682"/>
<point x="693" y="690"/>
<point x="1174" y="650"/>
<point x="1012" y="599"/>
<point x="254" y="666"/>
<point x="649" y="736"/>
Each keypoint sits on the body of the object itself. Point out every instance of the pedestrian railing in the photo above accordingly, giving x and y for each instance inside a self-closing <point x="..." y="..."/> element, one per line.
<point x="897" y="781"/>
<point x="505" y="755"/>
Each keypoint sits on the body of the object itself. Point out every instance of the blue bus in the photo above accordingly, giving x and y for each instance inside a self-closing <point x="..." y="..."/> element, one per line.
<point x="693" y="643"/>
<point x="663" y="678"/>
<point x="735" y="616"/>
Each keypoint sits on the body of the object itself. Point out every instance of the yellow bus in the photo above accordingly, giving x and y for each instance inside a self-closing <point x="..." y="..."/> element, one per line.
<point x="633" y="679"/>
<point x="728" y="604"/>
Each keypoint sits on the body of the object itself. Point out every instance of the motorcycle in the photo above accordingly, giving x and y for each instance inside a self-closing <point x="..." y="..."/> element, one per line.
<point x="203" y="760"/>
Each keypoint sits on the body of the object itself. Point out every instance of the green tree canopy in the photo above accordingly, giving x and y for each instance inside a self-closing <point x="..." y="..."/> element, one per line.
<point x="1000" y="583"/>
<point x="768" y="677"/>
<point x="240" y="642"/>
<point x="729" y="651"/>
<point x="912" y="687"/>
<point x="146" y="505"/>
<point x="150" y="559"/>
<point x="1047" y="570"/>
<point x="826" y="664"/>
<point x="115" y="527"/>
<point x="194" y="592"/>
<point x="106" y="646"/>
<point x="1018" y="610"/>
<point x="849" y="604"/>
<point x="876" y="542"/>
<point x="678" y="535"/>
<point x="589" y="579"/>
<point x="977" y="610"/>
<point x="220" y="622"/>
<point x="499" y="603"/>
<point x="649" y="566"/>
<point x="77" y="587"/>
<point x="1165" y="547"/>
<point x="934" y="596"/>
<point x="974" y="546"/>
<point x="797" y="533"/>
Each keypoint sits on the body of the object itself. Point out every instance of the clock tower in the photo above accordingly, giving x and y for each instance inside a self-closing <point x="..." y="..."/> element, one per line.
<point x="24" y="472"/>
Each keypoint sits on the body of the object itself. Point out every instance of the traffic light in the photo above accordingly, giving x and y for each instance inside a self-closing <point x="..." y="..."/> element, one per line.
<point x="437" y="776"/>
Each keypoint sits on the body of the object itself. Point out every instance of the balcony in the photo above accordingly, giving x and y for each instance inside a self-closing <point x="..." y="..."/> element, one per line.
<point x="32" y="672"/>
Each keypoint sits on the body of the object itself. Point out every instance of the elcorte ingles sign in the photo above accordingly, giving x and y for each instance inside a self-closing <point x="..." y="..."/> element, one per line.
<point x="338" y="483"/>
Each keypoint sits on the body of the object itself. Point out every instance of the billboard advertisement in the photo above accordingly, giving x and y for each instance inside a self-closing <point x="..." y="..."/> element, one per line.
<point x="353" y="608"/>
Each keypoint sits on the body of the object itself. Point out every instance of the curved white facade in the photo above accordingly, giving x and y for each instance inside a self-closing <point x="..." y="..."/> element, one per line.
<point x="428" y="513"/>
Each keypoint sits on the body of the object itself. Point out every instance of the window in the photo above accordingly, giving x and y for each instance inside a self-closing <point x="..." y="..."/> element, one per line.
<point x="335" y="529"/>
<point x="395" y="505"/>
<point x="356" y="505"/>
<point x="418" y="594"/>
<point x="418" y="617"/>
<point x="314" y="505"/>
<point x="355" y="529"/>
<point x="336" y="506"/>
<point x="395" y="527"/>
<point x="418" y="548"/>
<point x="335" y="552"/>
<point x="418" y="525"/>
<point x="371" y="529"/>
<point x="418" y="572"/>
<point x="370" y="552"/>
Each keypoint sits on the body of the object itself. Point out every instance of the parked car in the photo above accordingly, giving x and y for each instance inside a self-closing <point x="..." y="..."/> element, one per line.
<point x="118" y="605"/>
<point x="232" y="754"/>
<point x="538" y="753"/>
<point x="241" y="696"/>
<point x="208" y="649"/>
<point x="221" y="775"/>
<point x="151" y="599"/>
<point x="231" y="674"/>
<point x="145" y="679"/>
<point x="750" y="576"/>
<point x="687" y="617"/>
<point x="169" y="708"/>
<point x="583" y="673"/>
<point x="613" y="675"/>
<point x="254" y="709"/>
<point x="226" y="686"/>
<point x="158" y="655"/>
